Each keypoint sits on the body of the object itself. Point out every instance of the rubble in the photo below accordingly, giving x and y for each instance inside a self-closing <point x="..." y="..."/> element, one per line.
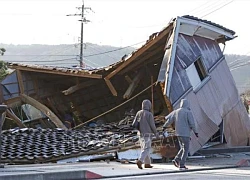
<point x="29" y="145"/>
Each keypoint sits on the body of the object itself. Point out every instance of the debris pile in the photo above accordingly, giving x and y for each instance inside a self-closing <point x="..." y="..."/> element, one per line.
<point x="28" y="145"/>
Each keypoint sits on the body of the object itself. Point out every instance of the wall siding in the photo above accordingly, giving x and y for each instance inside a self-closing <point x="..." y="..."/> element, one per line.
<point x="189" y="49"/>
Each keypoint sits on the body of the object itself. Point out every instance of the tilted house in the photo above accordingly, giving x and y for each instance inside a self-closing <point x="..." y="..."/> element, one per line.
<point x="184" y="60"/>
<point x="195" y="68"/>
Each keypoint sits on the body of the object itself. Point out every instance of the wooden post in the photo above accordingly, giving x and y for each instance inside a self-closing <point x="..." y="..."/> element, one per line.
<point x="152" y="93"/>
<point x="20" y="81"/>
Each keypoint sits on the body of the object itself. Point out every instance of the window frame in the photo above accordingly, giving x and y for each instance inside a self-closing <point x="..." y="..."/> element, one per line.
<point x="202" y="73"/>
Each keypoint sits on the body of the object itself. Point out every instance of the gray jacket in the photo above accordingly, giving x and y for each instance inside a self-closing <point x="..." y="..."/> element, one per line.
<point x="146" y="118"/>
<point x="183" y="118"/>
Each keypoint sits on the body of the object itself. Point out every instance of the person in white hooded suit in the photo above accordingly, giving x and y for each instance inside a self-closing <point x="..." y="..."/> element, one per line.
<point x="184" y="124"/>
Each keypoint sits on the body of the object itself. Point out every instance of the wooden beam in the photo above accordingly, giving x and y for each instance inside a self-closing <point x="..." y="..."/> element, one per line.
<point x="141" y="51"/>
<point x="150" y="55"/>
<point x="3" y="119"/>
<point x="15" y="118"/>
<point x="48" y="71"/>
<point x="35" y="83"/>
<point x="16" y="101"/>
<point x="128" y="79"/>
<point x="133" y="85"/>
<point x="44" y="109"/>
<point x="77" y="87"/>
<point x="166" y="99"/>
<point x="111" y="87"/>
<point x="53" y="107"/>
<point x="20" y="81"/>
<point x="152" y="94"/>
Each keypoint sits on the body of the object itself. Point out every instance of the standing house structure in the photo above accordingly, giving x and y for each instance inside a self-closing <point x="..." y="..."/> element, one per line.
<point x="184" y="60"/>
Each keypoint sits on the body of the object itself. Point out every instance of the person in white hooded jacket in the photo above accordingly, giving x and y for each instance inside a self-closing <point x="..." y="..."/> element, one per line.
<point x="184" y="123"/>
<point x="146" y="130"/>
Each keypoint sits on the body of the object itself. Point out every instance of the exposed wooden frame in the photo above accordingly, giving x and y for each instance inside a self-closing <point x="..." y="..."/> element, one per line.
<point x="166" y="99"/>
<point x="161" y="97"/>
<point x="50" y="103"/>
<point x="77" y="87"/>
<point x="3" y="119"/>
<point x="149" y="55"/>
<point x="20" y="81"/>
<point x="133" y="85"/>
<point x="48" y="71"/>
<point x="35" y="84"/>
<point x="13" y="102"/>
<point x="140" y="51"/>
<point x="15" y="118"/>
<point x="44" y="109"/>
<point x="128" y="79"/>
<point x="111" y="87"/>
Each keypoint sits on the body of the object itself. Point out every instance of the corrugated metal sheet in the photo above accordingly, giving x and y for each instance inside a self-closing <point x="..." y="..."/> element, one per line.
<point x="189" y="49"/>
<point x="215" y="102"/>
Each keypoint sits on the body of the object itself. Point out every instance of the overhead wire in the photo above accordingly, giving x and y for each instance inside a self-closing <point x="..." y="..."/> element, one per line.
<point x="106" y="52"/>
<point x="217" y="9"/>
<point x="202" y="7"/>
<point x="57" y="60"/>
<point x="113" y="50"/>
<point x="212" y="4"/>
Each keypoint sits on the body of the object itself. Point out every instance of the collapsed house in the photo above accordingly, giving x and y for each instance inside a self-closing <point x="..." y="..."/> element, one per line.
<point x="184" y="60"/>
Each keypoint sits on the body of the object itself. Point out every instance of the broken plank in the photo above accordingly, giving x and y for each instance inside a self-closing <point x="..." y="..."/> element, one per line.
<point x="50" y="71"/>
<point x="44" y="109"/>
<point x="133" y="85"/>
<point x="77" y="87"/>
<point x="13" y="102"/>
<point x="15" y="119"/>
<point x="128" y="79"/>
<point x="111" y="87"/>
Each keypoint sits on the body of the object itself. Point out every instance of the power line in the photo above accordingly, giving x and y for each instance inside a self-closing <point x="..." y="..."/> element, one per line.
<point x="77" y="55"/>
<point x="101" y="52"/>
<point x="207" y="8"/>
<point x="39" y="55"/>
<point x="113" y="50"/>
<point x="241" y="65"/>
<point x="217" y="9"/>
<point x="198" y="7"/>
<point x="57" y="60"/>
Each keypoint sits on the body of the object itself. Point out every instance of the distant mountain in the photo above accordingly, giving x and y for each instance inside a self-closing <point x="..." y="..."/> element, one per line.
<point x="240" y="69"/>
<point x="64" y="55"/>
<point x="67" y="55"/>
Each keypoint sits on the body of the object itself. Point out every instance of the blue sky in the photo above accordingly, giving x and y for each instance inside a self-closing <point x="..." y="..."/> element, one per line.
<point x="115" y="22"/>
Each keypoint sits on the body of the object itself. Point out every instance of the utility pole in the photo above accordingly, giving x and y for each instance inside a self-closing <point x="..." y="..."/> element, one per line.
<point x="83" y="20"/>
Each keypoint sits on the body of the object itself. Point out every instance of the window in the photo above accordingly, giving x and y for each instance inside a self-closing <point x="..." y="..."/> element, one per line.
<point x="196" y="73"/>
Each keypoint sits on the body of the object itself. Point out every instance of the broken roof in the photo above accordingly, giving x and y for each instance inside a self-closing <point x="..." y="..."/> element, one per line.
<point x="149" y="47"/>
<point x="28" y="145"/>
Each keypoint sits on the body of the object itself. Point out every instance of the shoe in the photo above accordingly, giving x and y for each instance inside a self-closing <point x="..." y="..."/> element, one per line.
<point x="139" y="164"/>
<point x="182" y="168"/>
<point x="176" y="164"/>
<point x="147" y="166"/>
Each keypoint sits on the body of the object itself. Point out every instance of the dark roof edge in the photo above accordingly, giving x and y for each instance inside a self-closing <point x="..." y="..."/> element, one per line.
<point x="209" y="22"/>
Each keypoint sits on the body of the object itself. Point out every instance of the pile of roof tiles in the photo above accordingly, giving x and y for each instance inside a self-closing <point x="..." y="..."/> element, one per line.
<point x="28" y="145"/>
